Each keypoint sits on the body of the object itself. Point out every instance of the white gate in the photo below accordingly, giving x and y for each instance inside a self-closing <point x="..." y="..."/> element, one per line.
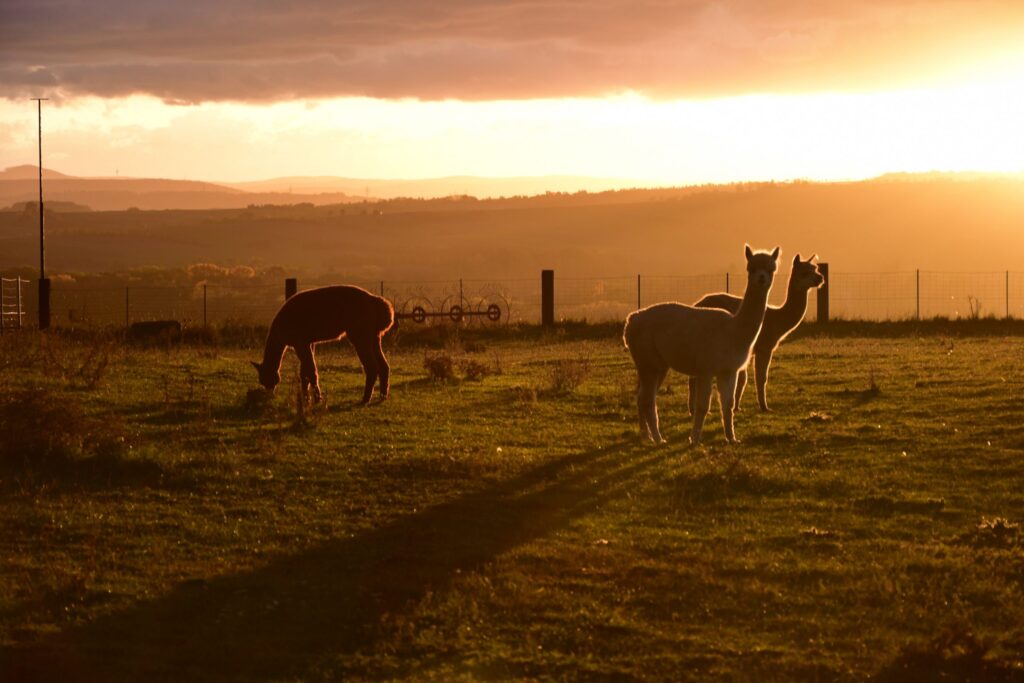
<point x="12" y="310"/>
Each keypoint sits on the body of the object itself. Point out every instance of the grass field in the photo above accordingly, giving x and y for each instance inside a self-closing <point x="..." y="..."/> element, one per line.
<point x="510" y="525"/>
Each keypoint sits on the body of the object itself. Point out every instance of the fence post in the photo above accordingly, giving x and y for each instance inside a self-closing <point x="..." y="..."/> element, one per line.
<point x="823" y="294"/>
<point x="917" y="289"/>
<point x="291" y="285"/>
<point x="727" y="282"/>
<point x="3" y="315"/>
<point x="638" y="291"/>
<point x="204" y="305"/>
<point x="44" y="303"/>
<point x="21" y="313"/>
<point x="547" y="297"/>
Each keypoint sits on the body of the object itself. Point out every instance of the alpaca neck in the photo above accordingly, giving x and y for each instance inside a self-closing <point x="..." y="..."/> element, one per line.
<point x="273" y="352"/>
<point x="751" y="313"/>
<point x="795" y="306"/>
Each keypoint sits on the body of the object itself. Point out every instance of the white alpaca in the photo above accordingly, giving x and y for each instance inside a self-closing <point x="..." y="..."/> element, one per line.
<point x="779" y="321"/>
<point x="708" y="344"/>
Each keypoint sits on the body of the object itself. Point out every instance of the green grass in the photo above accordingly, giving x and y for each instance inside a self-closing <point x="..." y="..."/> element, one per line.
<point x="155" y="527"/>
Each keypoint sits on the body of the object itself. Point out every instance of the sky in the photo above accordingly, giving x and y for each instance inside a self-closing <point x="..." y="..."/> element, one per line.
<point x="660" y="91"/>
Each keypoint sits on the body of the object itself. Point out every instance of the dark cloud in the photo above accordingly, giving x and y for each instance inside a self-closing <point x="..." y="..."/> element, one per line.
<point x="193" y="50"/>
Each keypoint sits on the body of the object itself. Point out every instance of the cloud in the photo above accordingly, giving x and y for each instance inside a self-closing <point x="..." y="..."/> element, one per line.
<point x="259" y="51"/>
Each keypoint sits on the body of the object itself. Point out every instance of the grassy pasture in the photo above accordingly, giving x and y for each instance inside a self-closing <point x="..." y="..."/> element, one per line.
<point x="156" y="526"/>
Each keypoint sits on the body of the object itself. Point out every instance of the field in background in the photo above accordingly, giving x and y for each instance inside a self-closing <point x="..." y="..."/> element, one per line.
<point x="497" y="518"/>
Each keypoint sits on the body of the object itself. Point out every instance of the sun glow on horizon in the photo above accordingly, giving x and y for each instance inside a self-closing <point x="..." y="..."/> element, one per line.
<point x="820" y="136"/>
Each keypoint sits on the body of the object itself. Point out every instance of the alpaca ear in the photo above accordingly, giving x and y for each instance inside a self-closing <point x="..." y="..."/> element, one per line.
<point x="748" y="252"/>
<point x="814" y="257"/>
<point x="796" y="260"/>
<point x="775" y="254"/>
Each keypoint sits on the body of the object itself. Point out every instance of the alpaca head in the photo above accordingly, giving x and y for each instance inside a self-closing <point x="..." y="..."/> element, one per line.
<point x="268" y="377"/>
<point x="761" y="267"/>
<point x="805" y="274"/>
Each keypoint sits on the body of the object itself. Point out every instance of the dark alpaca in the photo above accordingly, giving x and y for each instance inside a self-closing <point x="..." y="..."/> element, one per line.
<point x="326" y="314"/>
<point x="779" y="321"/>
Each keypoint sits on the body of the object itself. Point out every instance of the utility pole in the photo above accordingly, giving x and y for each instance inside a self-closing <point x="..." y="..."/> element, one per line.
<point x="44" y="283"/>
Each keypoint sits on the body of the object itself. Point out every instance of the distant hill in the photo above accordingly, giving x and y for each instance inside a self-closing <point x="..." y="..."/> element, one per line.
<point x="431" y="188"/>
<point x="29" y="172"/>
<point x="20" y="184"/>
<point x="860" y="227"/>
<point x="58" y="206"/>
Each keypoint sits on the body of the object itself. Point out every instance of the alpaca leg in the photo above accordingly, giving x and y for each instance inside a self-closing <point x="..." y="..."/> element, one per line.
<point x="647" y="402"/>
<point x="726" y="399"/>
<point x="691" y="402"/>
<point x="383" y="370"/>
<point x="367" y="356"/>
<point x="741" y="384"/>
<point x="652" y="406"/>
<point x="307" y="372"/>
<point x="702" y="405"/>
<point x="761" y="364"/>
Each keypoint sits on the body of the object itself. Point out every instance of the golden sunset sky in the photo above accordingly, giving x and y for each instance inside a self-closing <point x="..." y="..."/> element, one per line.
<point x="656" y="91"/>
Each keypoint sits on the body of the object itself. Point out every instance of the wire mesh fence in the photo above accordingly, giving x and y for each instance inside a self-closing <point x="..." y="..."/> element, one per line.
<point x="863" y="296"/>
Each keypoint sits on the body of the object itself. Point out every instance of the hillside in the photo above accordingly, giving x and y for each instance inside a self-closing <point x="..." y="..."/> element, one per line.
<point x="435" y="187"/>
<point x="872" y="226"/>
<point x="20" y="184"/>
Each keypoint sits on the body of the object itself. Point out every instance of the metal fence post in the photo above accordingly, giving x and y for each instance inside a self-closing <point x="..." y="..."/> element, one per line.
<point x="823" y="294"/>
<point x="291" y="285"/>
<point x="547" y="297"/>
<point x="21" y="312"/>
<point x="727" y="283"/>
<point x="917" y="294"/>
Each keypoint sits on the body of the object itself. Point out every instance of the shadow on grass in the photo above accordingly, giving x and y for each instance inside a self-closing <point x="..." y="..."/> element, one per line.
<point x="335" y="600"/>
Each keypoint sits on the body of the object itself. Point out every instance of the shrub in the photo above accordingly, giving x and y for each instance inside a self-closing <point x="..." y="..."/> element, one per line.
<point x="568" y="374"/>
<point x="473" y="370"/>
<point x="440" y="366"/>
<point x="43" y="431"/>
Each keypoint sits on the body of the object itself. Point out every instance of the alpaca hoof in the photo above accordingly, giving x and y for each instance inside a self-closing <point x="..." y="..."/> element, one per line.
<point x="694" y="441"/>
<point x="766" y="409"/>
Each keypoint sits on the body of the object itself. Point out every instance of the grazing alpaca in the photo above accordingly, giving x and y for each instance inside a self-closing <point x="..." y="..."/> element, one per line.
<point x="326" y="314"/>
<point x="779" y="321"/>
<point x="705" y="343"/>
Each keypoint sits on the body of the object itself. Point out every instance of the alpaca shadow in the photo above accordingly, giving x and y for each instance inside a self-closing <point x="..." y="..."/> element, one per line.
<point x="333" y="600"/>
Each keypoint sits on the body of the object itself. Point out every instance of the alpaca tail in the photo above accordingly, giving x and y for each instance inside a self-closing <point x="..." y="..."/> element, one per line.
<point x="385" y="315"/>
<point x="632" y="330"/>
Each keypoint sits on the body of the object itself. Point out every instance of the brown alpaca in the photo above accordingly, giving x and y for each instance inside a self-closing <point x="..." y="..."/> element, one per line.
<point x="779" y="321"/>
<point x="325" y="314"/>
<point x="705" y="343"/>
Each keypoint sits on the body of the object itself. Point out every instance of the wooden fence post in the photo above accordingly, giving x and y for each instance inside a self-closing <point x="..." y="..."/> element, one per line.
<point x="823" y="294"/>
<point x="547" y="297"/>
<point x="44" y="303"/>
<point x="917" y="291"/>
